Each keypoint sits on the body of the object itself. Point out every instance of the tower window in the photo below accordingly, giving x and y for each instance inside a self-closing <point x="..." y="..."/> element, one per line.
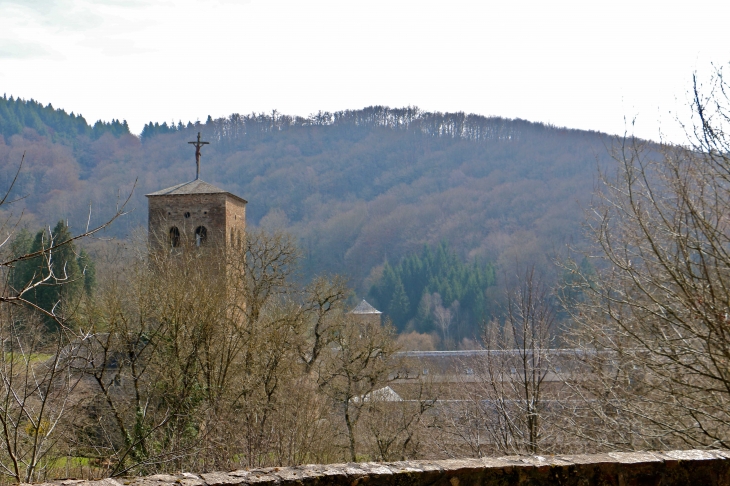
<point x="174" y="237"/>
<point x="187" y="214"/>
<point x="201" y="234"/>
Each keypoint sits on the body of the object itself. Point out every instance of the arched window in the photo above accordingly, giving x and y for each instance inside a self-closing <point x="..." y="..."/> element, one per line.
<point x="174" y="237"/>
<point x="201" y="234"/>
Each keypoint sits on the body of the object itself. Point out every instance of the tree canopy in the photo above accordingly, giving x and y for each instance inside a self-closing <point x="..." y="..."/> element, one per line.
<point x="71" y="271"/>
<point x="414" y="291"/>
<point x="17" y="114"/>
<point x="357" y="187"/>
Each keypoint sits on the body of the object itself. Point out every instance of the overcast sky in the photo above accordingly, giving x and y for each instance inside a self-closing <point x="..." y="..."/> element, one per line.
<point x="581" y="64"/>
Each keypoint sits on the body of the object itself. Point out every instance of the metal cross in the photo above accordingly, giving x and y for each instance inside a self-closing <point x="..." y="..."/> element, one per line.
<point x="198" y="144"/>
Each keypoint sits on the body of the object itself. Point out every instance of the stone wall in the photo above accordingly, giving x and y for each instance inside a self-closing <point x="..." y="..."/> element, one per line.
<point x="223" y="217"/>
<point x="695" y="468"/>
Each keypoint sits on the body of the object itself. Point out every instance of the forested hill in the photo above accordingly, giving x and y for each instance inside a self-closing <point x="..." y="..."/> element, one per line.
<point x="17" y="115"/>
<point x="358" y="188"/>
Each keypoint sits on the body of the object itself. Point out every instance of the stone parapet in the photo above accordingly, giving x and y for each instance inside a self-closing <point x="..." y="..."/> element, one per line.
<point x="693" y="467"/>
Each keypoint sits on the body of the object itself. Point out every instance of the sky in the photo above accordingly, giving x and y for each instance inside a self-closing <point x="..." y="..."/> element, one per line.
<point x="611" y="66"/>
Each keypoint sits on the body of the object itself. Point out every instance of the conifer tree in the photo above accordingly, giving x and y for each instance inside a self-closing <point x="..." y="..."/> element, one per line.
<point x="402" y="287"/>
<point x="399" y="306"/>
<point x="55" y="278"/>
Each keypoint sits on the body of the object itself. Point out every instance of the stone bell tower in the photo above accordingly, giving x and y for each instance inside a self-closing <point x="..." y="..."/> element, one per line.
<point x="196" y="214"/>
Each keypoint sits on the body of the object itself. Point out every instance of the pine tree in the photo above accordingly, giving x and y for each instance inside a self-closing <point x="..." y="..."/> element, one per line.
<point x="60" y="284"/>
<point x="399" y="306"/>
<point x="401" y="290"/>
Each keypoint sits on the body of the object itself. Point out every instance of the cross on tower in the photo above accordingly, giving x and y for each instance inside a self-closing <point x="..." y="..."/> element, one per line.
<point x="197" y="145"/>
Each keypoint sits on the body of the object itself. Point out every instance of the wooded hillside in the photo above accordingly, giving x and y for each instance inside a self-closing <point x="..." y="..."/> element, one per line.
<point x="358" y="188"/>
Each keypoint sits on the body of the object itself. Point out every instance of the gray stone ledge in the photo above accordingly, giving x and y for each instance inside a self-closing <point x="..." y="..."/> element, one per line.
<point x="693" y="467"/>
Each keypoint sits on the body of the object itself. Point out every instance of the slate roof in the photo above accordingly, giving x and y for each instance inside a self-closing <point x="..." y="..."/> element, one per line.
<point x="193" y="187"/>
<point x="365" y="308"/>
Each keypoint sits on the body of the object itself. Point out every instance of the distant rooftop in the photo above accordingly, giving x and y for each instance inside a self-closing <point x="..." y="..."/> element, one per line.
<point x="196" y="186"/>
<point x="365" y="308"/>
<point x="462" y="353"/>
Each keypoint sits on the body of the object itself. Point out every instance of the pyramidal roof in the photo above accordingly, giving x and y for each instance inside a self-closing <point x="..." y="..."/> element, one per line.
<point x="365" y="308"/>
<point x="196" y="186"/>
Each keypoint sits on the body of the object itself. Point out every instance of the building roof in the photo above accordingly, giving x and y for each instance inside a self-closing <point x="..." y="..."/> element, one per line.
<point x="196" y="186"/>
<point x="365" y="308"/>
<point x="386" y="394"/>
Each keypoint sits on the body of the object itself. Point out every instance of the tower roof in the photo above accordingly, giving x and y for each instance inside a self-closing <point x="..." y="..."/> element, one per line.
<point x="196" y="186"/>
<point x="365" y="308"/>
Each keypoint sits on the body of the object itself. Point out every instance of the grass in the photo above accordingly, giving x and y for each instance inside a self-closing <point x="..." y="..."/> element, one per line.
<point x="68" y="461"/>
<point x="33" y="357"/>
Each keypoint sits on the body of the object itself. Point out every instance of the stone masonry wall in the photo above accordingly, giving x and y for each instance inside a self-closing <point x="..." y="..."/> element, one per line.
<point x="235" y="221"/>
<point x="694" y="468"/>
<point x="218" y="213"/>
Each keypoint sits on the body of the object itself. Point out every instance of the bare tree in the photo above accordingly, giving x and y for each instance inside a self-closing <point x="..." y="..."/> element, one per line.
<point x="36" y="383"/>
<point x="124" y="328"/>
<point x="187" y="344"/>
<point x="46" y="274"/>
<point x="655" y="315"/>
<point x="36" y="392"/>
<point x="358" y="365"/>
<point x="509" y="401"/>
<point x="442" y="316"/>
<point x="397" y="427"/>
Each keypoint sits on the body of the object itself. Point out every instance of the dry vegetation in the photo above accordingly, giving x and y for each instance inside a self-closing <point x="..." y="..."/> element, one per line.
<point x="193" y="360"/>
<point x="197" y="361"/>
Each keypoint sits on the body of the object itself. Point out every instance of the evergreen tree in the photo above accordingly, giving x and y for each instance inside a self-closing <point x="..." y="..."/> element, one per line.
<point x="17" y="114"/>
<point x="20" y="273"/>
<point x="399" y="306"/>
<point x="401" y="290"/>
<point x="57" y="277"/>
<point x="88" y="269"/>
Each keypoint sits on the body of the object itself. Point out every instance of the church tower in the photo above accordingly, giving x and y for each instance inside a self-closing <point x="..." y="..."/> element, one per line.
<point x="197" y="214"/>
